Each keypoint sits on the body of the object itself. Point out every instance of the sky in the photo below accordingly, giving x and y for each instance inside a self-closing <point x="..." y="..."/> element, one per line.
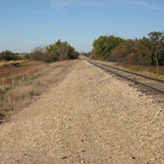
<point x="26" y="24"/>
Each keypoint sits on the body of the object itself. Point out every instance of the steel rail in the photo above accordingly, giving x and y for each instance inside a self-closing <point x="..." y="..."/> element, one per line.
<point x="127" y="78"/>
<point x="134" y="73"/>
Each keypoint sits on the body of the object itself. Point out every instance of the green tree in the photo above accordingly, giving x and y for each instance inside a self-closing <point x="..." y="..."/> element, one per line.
<point x="8" y="55"/>
<point x="104" y="45"/>
<point x="144" y="51"/>
<point x="61" y="51"/>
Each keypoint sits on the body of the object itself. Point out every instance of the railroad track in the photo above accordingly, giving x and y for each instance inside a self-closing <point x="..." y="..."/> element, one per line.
<point x="146" y="81"/>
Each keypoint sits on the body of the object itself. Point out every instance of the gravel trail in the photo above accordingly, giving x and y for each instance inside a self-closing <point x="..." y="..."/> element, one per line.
<point x="90" y="117"/>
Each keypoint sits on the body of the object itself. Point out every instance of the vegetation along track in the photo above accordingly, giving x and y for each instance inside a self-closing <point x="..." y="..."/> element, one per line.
<point x="147" y="81"/>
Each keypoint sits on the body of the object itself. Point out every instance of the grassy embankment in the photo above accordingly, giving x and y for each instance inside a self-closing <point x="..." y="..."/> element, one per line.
<point x="21" y="82"/>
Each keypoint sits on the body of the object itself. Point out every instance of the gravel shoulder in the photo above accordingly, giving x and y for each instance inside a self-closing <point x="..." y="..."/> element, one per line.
<point x="89" y="117"/>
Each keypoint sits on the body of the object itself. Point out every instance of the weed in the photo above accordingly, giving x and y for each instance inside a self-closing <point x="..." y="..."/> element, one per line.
<point x="35" y="77"/>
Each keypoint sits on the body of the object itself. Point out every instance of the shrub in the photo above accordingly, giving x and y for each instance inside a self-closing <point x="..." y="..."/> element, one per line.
<point x="132" y="52"/>
<point x="38" y="53"/>
<point x="8" y="55"/>
<point x="50" y="57"/>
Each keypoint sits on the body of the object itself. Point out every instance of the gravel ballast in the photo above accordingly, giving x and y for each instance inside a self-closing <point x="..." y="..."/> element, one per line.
<point x="90" y="117"/>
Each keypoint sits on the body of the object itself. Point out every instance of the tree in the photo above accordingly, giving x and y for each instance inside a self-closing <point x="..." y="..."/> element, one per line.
<point x="144" y="51"/>
<point x="133" y="52"/>
<point x="61" y="51"/>
<point x="157" y="41"/>
<point x="8" y="55"/>
<point x="125" y="52"/>
<point x="104" y="45"/>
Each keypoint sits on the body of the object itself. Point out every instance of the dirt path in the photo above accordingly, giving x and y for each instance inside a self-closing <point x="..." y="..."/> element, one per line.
<point x="90" y="117"/>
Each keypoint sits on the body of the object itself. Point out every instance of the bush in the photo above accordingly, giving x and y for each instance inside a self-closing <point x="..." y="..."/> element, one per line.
<point x="50" y="57"/>
<point x="132" y="52"/>
<point x="38" y="53"/>
<point x="125" y="52"/>
<point x="8" y="55"/>
<point x="27" y="56"/>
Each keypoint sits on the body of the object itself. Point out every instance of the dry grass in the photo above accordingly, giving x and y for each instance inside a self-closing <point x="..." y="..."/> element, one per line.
<point x="25" y="70"/>
<point x="12" y="62"/>
<point x="146" y="70"/>
<point x="13" y="99"/>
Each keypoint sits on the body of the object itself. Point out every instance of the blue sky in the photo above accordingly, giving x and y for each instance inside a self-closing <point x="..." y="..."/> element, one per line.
<point x="25" y="24"/>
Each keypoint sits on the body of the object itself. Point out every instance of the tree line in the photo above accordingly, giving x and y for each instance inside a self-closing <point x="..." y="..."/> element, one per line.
<point x="146" y="51"/>
<point x="8" y="55"/>
<point x="53" y="52"/>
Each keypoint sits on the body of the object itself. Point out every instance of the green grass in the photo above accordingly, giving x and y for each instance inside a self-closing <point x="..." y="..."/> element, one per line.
<point x="161" y="72"/>
<point x="35" y="76"/>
